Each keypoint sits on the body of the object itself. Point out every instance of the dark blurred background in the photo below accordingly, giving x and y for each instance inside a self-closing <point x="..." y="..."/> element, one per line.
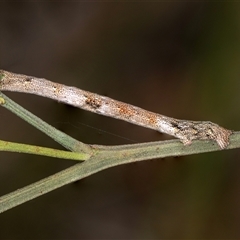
<point x="178" y="59"/>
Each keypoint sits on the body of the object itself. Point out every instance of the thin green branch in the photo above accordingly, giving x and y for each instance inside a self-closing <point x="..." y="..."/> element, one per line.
<point x="60" y="137"/>
<point x="106" y="157"/>
<point x="43" y="151"/>
<point x="99" y="157"/>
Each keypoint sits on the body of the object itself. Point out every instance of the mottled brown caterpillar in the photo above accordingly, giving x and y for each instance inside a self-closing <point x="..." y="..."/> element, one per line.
<point x="185" y="130"/>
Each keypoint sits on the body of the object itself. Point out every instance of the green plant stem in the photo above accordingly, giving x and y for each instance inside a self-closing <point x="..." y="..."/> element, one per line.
<point x="60" y="137"/>
<point x="30" y="149"/>
<point x="99" y="157"/>
<point x="106" y="157"/>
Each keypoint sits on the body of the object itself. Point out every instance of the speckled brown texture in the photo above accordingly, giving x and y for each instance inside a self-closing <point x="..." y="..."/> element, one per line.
<point x="186" y="131"/>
